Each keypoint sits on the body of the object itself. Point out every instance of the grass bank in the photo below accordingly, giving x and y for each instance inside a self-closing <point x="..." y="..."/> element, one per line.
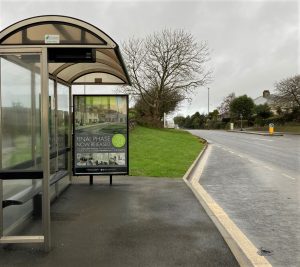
<point x="162" y="152"/>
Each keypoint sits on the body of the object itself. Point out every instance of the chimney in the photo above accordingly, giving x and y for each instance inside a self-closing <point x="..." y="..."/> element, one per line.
<point x="266" y="93"/>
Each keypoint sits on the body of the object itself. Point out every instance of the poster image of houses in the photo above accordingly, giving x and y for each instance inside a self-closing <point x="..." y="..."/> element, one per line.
<point x="117" y="159"/>
<point x="100" y="114"/>
<point x="92" y="159"/>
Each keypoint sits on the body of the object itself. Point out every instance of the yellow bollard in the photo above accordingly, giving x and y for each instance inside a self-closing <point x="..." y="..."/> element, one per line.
<point x="271" y="128"/>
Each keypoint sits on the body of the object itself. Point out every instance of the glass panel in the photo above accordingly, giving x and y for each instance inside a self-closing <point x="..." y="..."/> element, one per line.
<point x="52" y="134"/>
<point x="62" y="120"/>
<point x="63" y="162"/>
<point x="68" y="34"/>
<point x="52" y="116"/>
<point x="20" y="120"/>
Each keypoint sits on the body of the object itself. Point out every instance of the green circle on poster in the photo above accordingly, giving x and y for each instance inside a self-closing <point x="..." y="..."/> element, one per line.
<point x="118" y="140"/>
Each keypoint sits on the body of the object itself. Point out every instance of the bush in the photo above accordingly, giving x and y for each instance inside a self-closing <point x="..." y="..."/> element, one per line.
<point x="245" y="123"/>
<point x="293" y="116"/>
<point x="277" y="120"/>
<point x="216" y="125"/>
<point x="259" y="121"/>
<point x="226" y="120"/>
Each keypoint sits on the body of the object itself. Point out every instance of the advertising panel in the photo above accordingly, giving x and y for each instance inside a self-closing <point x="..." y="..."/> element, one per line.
<point x="100" y="134"/>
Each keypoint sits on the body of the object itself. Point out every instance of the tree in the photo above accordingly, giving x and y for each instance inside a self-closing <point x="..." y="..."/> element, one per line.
<point x="287" y="92"/>
<point x="262" y="111"/>
<point x="188" y="122"/>
<point x="165" y="67"/>
<point x="147" y="112"/>
<point x="242" y="105"/>
<point x="179" y="120"/>
<point x="224" y="108"/>
<point x="213" y="115"/>
<point x="196" y="120"/>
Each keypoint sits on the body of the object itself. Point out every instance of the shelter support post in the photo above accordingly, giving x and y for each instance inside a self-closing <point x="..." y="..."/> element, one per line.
<point x="1" y="208"/>
<point x="70" y="153"/>
<point x="45" y="146"/>
<point x="1" y="182"/>
<point x="91" y="179"/>
<point x="110" y="179"/>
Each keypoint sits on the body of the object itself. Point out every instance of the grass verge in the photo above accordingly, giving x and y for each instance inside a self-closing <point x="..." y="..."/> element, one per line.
<point x="162" y="152"/>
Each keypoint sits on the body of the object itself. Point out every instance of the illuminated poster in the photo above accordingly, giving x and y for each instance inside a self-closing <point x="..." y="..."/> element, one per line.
<point x="100" y="134"/>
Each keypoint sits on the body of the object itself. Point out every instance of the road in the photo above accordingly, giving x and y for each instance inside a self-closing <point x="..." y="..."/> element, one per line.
<point x="256" y="180"/>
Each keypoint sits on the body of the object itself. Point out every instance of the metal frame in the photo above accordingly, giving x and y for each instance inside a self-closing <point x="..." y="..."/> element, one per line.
<point x="70" y="144"/>
<point x="127" y="139"/>
<point x="45" y="136"/>
<point x="59" y="19"/>
<point x="46" y="237"/>
<point x="46" y="152"/>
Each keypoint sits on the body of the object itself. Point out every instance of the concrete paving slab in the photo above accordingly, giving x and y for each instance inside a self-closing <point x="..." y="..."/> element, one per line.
<point x="138" y="221"/>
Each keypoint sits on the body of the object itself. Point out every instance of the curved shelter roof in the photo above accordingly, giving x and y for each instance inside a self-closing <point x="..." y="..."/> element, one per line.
<point x="70" y="33"/>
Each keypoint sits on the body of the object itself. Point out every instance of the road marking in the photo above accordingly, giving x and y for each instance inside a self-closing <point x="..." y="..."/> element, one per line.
<point x="254" y="161"/>
<point x="269" y="168"/>
<point x="263" y="139"/>
<point x="241" y="156"/>
<point x="199" y="166"/>
<point x="242" y="248"/>
<point x="290" y="177"/>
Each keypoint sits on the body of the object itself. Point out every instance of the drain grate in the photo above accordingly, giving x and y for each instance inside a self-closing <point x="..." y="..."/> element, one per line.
<point x="264" y="252"/>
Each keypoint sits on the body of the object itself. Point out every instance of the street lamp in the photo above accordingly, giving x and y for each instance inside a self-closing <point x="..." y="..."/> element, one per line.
<point x="241" y="117"/>
<point x="207" y="101"/>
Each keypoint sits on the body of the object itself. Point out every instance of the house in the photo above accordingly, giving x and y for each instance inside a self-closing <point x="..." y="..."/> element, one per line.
<point x="267" y="98"/>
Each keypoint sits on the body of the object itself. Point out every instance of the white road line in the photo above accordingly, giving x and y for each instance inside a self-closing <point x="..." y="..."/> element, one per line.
<point x="290" y="177"/>
<point x="253" y="161"/>
<point x="262" y="139"/>
<point x="267" y="167"/>
<point x="241" y="156"/>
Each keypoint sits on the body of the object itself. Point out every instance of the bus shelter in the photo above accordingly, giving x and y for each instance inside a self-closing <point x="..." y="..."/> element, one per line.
<point x="40" y="59"/>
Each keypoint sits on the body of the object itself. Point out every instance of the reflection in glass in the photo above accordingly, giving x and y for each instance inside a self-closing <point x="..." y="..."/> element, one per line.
<point x="20" y="106"/>
<point x="20" y="120"/>
<point x="62" y="123"/>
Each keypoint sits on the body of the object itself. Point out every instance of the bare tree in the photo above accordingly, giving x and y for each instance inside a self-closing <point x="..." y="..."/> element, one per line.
<point x="287" y="92"/>
<point x="224" y="108"/>
<point x="165" y="67"/>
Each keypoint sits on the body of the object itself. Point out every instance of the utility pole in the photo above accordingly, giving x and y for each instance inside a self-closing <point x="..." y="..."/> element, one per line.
<point x="207" y="101"/>
<point x="241" y="117"/>
<point x="208" y="108"/>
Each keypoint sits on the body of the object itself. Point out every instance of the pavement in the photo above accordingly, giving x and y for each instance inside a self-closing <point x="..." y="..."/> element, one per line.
<point x="256" y="181"/>
<point x="257" y="133"/>
<point x="138" y="221"/>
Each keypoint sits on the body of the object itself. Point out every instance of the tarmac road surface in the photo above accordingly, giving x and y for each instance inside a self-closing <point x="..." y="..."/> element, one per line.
<point x="256" y="180"/>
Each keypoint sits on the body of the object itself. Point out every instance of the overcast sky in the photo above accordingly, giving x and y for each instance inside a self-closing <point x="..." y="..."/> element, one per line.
<point x="253" y="43"/>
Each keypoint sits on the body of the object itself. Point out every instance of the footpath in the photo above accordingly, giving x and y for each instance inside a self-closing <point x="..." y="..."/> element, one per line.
<point x="138" y="221"/>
